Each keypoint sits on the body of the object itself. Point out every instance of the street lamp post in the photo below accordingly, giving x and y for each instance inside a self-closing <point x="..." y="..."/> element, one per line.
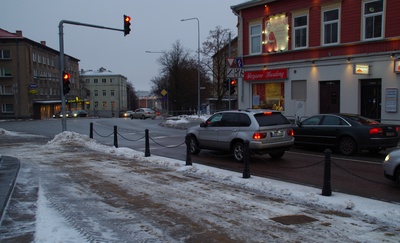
<point x="162" y="52"/>
<point x="198" y="62"/>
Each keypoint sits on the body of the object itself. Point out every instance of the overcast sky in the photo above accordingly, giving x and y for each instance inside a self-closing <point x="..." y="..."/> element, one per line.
<point x="155" y="27"/>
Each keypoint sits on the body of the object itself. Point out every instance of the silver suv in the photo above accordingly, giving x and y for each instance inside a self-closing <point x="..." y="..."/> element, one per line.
<point x="268" y="132"/>
<point x="391" y="166"/>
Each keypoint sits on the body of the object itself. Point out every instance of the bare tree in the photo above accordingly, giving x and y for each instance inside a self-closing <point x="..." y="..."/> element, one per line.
<point x="215" y="51"/>
<point x="179" y="78"/>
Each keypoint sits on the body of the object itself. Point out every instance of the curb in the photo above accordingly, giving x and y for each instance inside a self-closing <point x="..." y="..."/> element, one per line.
<point x="9" y="168"/>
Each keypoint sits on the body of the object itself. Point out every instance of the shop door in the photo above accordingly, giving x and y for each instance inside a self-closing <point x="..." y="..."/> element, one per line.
<point x="371" y="98"/>
<point x="329" y="97"/>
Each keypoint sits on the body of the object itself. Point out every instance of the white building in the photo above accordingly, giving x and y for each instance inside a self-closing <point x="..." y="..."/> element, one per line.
<point x="107" y="92"/>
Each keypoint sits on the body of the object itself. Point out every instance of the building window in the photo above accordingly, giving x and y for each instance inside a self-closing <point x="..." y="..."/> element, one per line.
<point x="269" y="96"/>
<point x="104" y="104"/>
<point x="299" y="90"/>
<point x="111" y="80"/>
<point x="104" y="81"/>
<point x="5" y="54"/>
<point x="87" y="81"/>
<point x="7" y="108"/>
<point x="34" y="57"/>
<point x="112" y="92"/>
<point x="96" y="81"/>
<point x="104" y="93"/>
<point x="96" y="104"/>
<point x="6" y="90"/>
<point x="5" y="72"/>
<point x="373" y="19"/>
<point x="96" y="93"/>
<point x="300" y="30"/>
<point x="255" y="39"/>
<point x="330" y="25"/>
<point x="112" y="105"/>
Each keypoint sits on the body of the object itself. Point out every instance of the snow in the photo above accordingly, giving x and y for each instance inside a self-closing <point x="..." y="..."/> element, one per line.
<point x="53" y="226"/>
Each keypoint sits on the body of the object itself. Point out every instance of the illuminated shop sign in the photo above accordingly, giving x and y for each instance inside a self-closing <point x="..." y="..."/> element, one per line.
<point x="361" y="69"/>
<point x="397" y="66"/>
<point x="266" y="75"/>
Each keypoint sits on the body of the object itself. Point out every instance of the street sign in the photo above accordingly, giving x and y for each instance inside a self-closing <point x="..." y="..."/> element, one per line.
<point x="230" y="61"/>
<point x="239" y="62"/>
<point x="235" y="72"/>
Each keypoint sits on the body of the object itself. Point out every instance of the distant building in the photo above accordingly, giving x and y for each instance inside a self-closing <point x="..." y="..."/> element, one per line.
<point x="107" y="92"/>
<point x="30" y="78"/>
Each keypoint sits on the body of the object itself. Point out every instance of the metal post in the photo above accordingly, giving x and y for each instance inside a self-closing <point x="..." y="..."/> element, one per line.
<point x="91" y="130"/>
<point x="147" y="144"/>
<point x="246" y="160"/>
<point x="61" y="39"/>
<point x="327" y="190"/>
<point x="115" y="137"/>
<point x="188" y="154"/>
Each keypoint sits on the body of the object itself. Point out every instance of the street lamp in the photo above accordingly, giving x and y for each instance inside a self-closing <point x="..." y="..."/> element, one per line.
<point x="198" y="62"/>
<point x="163" y="52"/>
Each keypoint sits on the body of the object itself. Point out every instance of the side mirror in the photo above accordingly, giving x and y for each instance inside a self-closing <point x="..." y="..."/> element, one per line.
<point x="203" y="124"/>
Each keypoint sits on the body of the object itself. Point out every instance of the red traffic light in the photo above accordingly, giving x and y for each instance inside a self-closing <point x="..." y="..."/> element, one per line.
<point x="127" y="25"/>
<point x="127" y="18"/>
<point x="66" y="76"/>
<point x="233" y="82"/>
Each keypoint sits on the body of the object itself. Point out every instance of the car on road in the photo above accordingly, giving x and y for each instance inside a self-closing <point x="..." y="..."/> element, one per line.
<point x="79" y="113"/>
<point x="268" y="132"/>
<point x="68" y="114"/>
<point x="391" y="166"/>
<point x="126" y="114"/>
<point x="143" y="113"/>
<point x="349" y="133"/>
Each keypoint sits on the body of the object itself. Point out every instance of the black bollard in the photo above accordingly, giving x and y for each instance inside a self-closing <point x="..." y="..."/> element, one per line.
<point x="188" y="153"/>
<point x="326" y="189"/>
<point x="91" y="130"/>
<point x="246" y="160"/>
<point x="147" y="145"/>
<point x="115" y="137"/>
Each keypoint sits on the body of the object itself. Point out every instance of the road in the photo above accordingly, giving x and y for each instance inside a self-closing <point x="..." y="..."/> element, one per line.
<point x="358" y="175"/>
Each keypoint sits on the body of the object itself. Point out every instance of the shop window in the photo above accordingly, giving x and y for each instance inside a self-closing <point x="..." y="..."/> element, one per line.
<point x="269" y="96"/>
<point x="373" y="19"/>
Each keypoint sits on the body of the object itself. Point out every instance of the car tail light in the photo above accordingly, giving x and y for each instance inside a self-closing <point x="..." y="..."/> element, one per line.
<point x="290" y="132"/>
<point x="267" y="113"/>
<point x="259" y="135"/>
<point x="375" y="130"/>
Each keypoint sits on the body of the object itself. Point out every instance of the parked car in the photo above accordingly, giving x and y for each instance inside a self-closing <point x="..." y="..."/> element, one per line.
<point x="68" y="114"/>
<point x="126" y="114"/>
<point x="268" y="132"/>
<point x="143" y="113"/>
<point x="79" y="113"/>
<point x="349" y="133"/>
<point x="391" y="166"/>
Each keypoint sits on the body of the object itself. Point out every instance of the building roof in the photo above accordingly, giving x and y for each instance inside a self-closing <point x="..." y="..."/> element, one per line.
<point x="100" y="72"/>
<point x="249" y="4"/>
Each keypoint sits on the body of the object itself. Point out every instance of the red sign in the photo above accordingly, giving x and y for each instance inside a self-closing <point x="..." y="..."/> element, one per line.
<point x="265" y="75"/>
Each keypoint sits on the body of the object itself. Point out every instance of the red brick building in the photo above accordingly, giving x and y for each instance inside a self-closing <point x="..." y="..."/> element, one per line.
<point x="320" y="56"/>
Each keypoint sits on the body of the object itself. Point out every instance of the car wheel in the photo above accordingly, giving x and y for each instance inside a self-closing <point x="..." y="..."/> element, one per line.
<point x="194" y="145"/>
<point x="143" y="117"/>
<point x="347" y="146"/>
<point x="153" y="118"/>
<point x="238" y="151"/>
<point x="397" y="175"/>
<point x="131" y="117"/>
<point x="277" y="155"/>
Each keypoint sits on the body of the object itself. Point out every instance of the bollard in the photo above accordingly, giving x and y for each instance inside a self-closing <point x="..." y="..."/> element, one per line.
<point x="188" y="153"/>
<point x="246" y="160"/>
<point x="326" y="189"/>
<point x="91" y="130"/>
<point x="147" y="145"/>
<point x="115" y="137"/>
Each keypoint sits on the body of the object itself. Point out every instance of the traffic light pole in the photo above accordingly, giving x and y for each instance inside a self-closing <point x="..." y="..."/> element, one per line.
<point x="61" y="39"/>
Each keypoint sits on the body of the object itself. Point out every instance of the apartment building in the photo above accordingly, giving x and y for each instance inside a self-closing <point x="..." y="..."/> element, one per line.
<point x="107" y="92"/>
<point x="320" y="56"/>
<point x="30" y="78"/>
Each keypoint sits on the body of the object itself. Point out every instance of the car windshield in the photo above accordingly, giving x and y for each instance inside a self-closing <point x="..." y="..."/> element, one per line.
<point x="362" y="120"/>
<point x="270" y="119"/>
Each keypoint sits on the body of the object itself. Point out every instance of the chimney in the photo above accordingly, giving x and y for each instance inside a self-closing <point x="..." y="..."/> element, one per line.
<point x="43" y="43"/>
<point x="18" y="33"/>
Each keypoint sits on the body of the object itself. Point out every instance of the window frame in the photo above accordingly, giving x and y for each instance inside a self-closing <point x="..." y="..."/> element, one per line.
<point x="324" y="24"/>
<point x="294" y="29"/>
<point x="366" y="16"/>
<point x="252" y="36"/>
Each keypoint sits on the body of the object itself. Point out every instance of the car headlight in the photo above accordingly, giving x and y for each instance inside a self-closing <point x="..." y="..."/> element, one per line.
<point x="387" y="158"/>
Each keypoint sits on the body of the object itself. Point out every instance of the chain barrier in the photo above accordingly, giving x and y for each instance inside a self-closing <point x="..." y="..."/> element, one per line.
<point x="171" y="146"/>
<point x="103" y="135"/>
<point x="132" y="140"/>
<point x="359" y="177"/>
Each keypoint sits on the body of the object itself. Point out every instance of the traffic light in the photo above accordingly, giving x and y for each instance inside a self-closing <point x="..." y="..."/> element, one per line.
<point x="226" y="84"/>
<point x="66" y="83"/>
<point x="233" y="86"/>
<point x="127" y="25"/>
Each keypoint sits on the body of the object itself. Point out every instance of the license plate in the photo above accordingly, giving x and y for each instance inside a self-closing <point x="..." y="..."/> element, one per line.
<point x="277" y="134"/>
<point x="389" y="134"/>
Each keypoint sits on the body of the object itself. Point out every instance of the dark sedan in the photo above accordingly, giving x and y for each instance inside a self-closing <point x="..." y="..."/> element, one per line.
<point x="349" y="133"/>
